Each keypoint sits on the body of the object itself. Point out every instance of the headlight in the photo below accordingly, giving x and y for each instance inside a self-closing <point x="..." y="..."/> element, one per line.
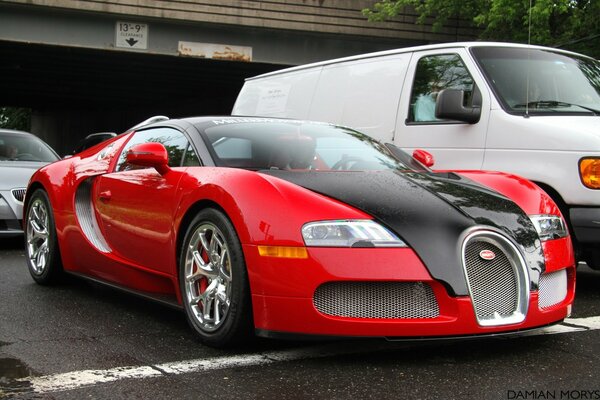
<point x="355" y="233"/>
<point x="549" y="226"/>
<point x="589" y="170"/>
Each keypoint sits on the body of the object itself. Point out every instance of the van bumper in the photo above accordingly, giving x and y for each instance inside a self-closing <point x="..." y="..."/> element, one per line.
<point x="586" y="229"/>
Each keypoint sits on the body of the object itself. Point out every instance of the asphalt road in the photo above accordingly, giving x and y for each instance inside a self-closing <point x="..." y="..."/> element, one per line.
<point x="80" y="340"/>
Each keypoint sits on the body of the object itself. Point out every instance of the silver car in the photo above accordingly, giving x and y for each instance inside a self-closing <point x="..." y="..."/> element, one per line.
<point x="21" y="154"/>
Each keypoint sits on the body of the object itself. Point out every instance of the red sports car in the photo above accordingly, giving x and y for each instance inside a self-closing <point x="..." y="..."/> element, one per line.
<point x="287" y="227"/>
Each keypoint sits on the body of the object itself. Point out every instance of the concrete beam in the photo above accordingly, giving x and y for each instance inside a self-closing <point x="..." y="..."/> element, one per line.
<point x="342" y="17"/>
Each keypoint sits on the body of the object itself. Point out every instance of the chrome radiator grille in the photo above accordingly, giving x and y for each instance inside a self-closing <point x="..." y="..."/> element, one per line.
<point x="553" y="288"/>
<point x="385" y="300"/>
<point x="499" y="287"/>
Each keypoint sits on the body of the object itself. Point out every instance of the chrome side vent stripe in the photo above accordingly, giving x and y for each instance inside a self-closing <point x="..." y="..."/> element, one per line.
<point x="87" y="217"/>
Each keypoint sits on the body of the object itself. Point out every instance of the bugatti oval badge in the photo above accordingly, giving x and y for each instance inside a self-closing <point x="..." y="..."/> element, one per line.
<point x="487" y="255"/>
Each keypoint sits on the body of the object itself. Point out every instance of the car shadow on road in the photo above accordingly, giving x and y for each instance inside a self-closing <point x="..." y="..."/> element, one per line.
<point x="12" y="243"/>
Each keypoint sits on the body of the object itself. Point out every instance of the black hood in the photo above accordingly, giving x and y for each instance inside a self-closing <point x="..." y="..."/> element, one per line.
<point x="431" y="212"/>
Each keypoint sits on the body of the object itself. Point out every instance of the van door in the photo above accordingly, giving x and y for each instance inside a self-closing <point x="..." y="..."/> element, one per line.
<point x="454" y="144"/>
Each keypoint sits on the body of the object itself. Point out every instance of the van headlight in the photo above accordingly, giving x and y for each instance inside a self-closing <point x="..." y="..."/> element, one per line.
<point x="549" y="226"/>
<point x="352" y="233"/>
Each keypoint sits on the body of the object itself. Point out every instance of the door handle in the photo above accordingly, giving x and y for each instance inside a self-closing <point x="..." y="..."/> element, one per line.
<point x="105" y="195"/>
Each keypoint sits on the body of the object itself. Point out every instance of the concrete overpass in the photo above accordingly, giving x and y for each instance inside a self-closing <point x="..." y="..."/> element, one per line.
<point x="89" y="65"/>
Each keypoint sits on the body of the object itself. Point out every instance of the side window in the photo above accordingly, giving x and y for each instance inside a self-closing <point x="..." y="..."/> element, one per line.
<point x="174" y="141"/>
<point x="190" y="159"/>
<point x="433" y="74"/>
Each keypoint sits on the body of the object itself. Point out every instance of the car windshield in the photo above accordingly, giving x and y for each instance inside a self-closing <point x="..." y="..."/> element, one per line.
<point x="541" y="81"/>
<point x="21" y="147"/>
<point x="260" y="144"/>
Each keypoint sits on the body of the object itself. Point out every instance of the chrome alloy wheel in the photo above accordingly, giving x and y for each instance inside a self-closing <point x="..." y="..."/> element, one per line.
<point x="38" y="235"/>
<point x="208" y="278"/>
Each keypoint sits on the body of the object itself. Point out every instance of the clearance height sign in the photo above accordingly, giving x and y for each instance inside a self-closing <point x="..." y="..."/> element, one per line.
<point x="131" y="35"/>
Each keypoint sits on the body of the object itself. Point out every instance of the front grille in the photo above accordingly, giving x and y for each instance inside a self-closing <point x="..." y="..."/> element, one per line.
<point x="383" y="300"/>
<point x="498" y="287"/>
<point x="19" y="194"/>
<point x="553" y="288"/>
<point x="493" y="283"/>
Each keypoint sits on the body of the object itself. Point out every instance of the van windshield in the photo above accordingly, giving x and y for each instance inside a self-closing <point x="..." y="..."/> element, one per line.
<point x="260" y="143"/>
<point x="541" y="81"/>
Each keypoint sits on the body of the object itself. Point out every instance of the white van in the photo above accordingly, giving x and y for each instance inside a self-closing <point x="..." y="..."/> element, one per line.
<point x="532" y="111"/>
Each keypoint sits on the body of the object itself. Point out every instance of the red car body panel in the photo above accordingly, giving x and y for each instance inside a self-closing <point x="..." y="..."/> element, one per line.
<point x="525" y="193"/>
<point x="142" y="214"/>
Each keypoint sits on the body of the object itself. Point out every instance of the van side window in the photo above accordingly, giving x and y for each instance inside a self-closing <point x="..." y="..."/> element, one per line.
<point x="434" y="73"/>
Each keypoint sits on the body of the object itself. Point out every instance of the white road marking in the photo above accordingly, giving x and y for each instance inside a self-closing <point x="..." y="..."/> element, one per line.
<point x="78" y="379"/>
<point x="586" y="324"/>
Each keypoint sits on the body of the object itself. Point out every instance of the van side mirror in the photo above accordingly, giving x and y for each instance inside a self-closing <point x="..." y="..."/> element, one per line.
<point x="151" y="154"/>
<point x="449" y="105"/>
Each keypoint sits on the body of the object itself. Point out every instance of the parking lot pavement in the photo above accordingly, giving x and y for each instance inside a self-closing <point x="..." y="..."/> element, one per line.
<point x="79" y="340"/>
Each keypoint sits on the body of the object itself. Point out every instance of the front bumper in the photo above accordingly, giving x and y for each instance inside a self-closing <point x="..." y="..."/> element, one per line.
<point x="283" y="294"/>
<point x="11" y="211"/>
<point x="586" y="225"/>
<point x="586" y="229"/>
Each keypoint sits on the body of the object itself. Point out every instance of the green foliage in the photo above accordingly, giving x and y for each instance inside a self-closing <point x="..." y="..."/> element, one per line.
<point x="15" y="118"/>
<point x="574" y="23"/>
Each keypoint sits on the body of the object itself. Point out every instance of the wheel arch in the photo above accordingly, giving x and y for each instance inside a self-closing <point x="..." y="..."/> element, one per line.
<point x="564" y="209"/>
<point x="186" y="220"/>
<point x="553" y="193"/>
<point x="30" y="190"/>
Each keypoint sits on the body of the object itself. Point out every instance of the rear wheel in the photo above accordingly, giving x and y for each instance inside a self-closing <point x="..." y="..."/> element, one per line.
<point x="43" y="256"/>
<point x="214" y="282"/>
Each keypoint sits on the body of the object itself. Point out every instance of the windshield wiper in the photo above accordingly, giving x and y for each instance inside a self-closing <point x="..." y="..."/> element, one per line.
<point x="554" y="103"/>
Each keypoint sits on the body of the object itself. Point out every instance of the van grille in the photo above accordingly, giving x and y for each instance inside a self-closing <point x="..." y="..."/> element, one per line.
<point x="383" y="300"/>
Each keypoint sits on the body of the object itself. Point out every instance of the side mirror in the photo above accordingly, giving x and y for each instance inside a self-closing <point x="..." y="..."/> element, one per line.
<point x="149" y="154"/>
<point x="449" y="105"/>
<point x="424" y="157"/>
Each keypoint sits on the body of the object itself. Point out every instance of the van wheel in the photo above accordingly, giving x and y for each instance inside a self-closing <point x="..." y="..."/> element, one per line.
<point x="214" y="282"/>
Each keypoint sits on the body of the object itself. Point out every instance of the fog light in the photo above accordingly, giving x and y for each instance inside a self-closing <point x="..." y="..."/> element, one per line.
<point x="589" y="170"/>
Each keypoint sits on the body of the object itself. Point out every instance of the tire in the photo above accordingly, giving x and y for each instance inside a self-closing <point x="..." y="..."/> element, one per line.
<point x="41" y="246"/>
<point x="214" y="282"/>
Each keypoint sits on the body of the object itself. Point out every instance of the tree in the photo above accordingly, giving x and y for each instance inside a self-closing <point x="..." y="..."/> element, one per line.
<point x="573" y="24"/>
<point x="15" y="118"/>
